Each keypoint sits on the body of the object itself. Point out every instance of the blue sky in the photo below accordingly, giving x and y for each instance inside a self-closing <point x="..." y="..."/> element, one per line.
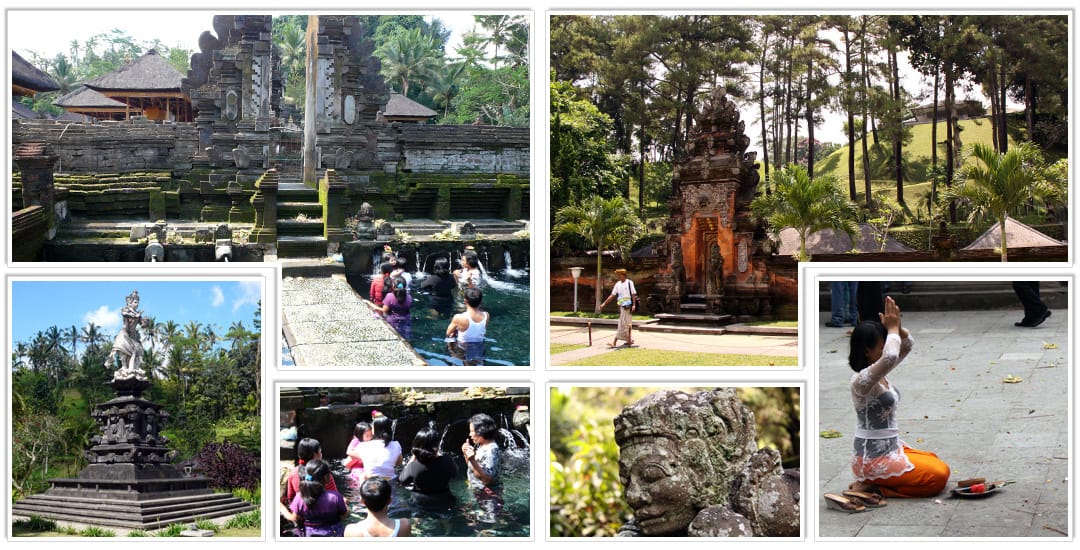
<point x="37" y="305"/>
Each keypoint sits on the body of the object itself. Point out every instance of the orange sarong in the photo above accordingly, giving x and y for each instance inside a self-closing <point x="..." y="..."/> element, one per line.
<point x="927" y="479"/>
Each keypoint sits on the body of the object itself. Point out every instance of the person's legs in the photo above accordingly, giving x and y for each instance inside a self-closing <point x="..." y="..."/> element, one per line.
<point x="1035" y="311"/>
<point x="870" y="303"/>
<point x="927" y="479"/>
<point x="852" y="315"/>
<point x="839" y="303"/>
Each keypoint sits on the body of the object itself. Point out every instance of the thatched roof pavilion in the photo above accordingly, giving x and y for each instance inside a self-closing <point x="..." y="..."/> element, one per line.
<point x="27" y="80"/>
<point x="150" y="85"/>
<point x="402" y="109"/>
<point x="88" y="103"/>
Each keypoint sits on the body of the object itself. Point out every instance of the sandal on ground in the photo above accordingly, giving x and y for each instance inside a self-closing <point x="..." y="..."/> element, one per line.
<point x="842" y="504"/>
<point x="870" y="500"/>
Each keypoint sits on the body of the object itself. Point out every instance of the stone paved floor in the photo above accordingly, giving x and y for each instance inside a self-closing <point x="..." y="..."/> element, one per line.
<point x="699" y="343"/>
<point x="327" y="324"/>
<point x="954" y="402"/>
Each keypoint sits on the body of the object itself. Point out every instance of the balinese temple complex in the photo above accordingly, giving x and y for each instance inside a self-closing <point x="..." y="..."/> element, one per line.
<point x="26" y="81"/>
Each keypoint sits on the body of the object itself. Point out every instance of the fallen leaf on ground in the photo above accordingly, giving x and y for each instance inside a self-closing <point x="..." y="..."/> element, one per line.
<point x="919" y="440"/>
<point x="1010" y="379"/>
<point x="1048" y="345"/>
<point x="830" y="351"/>
<point x="831" y="434"/>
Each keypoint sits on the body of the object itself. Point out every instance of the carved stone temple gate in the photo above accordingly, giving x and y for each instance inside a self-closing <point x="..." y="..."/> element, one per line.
<point x="716" y="260"/>
<point x="236" y="89"/>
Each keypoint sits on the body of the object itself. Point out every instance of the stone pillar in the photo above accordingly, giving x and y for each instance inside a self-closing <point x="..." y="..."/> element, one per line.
<point x="36" y="162"/>
<point x="310" y="115"/>
<point x="238" y="212"/>
<point x="332" y="190"/>
<point x="265" y="203"/>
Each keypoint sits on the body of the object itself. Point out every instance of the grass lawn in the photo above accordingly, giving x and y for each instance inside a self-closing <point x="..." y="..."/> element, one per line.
<point x="785" y="324"/>
<point x="637" y="357"/>
<point x="561" y="348"/>
<point x="590" y="315"/>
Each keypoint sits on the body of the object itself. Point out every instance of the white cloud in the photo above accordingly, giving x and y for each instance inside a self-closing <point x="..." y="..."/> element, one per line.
<point x="219" y="296"/>
<point x="249" y="292"/>
<point x="108" y="320"/>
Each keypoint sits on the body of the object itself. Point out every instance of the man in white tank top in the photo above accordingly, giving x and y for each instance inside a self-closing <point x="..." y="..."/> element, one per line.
<point x="468" y="329"/>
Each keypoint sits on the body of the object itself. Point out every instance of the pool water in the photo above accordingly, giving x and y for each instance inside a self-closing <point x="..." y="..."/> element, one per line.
<point x="506" y="299"/>
<point x="467" y="518"/>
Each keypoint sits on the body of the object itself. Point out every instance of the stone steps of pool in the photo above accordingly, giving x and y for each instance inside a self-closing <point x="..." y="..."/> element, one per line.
<point x="300" y="228"/>
<point x="292" y="246"/>
<point x="299" y="238"/>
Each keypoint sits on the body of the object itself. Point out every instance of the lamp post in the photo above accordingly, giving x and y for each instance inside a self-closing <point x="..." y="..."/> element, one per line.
<point x="576" y="272"/>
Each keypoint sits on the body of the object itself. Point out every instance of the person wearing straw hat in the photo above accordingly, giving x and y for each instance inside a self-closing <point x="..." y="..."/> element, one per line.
<point x="625" y="295"/>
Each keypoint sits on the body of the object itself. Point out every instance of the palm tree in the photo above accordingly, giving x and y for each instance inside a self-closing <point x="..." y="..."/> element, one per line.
<point x="603" y="223"/>
<point x="409" y="56"/>
<point x="1001" y="183"/>
<point x="72" y="333"/>
<point x="91" y="336"/>
<point x="806" y="204"/>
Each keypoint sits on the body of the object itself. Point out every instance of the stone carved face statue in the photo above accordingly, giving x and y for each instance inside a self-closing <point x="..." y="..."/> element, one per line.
<point x="678" y="454"/>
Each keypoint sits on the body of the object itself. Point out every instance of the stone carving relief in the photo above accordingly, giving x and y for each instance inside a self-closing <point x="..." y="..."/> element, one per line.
<point x="349" y="109"/>
<point x="690" y="466"/>
<point x="232" y="105"/>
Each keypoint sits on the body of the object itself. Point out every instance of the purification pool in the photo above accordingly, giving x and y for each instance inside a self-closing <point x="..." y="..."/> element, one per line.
<point x="506" y="299"/>
<point x="467" y="518"/>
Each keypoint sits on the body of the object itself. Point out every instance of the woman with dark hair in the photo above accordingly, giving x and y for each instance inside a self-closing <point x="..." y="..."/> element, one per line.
<point x="883" y="464"/>
<point x="381" y="455"/>
<point x="441" y="284"/>
<point x="397" y="307"/>
<point x="378" y="283"/>
<point x="376" y="494"/>
<point x="428" y="472"/>
<point x="482" y="455"/>
<point x="469" y="276"/>
<point x="321" y="509"/>
<point x="361" y="433"/>
<point x="307" y="449"/>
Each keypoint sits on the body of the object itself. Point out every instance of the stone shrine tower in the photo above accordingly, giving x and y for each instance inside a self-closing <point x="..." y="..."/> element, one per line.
<point x="712" y="243"/>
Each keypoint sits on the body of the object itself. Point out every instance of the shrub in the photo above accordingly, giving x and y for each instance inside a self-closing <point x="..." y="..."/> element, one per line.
<point x="245" y="520"/>
<point x="171" y="531"/>
<point x="138" y="533"/>
<point x="36" y="524"/>
<point x="248" y="495"/>
<point x="207" y="525"/>
<point x="229" y="466"/>
<point x="94" y="531"/>
<point x="586" y="495"/>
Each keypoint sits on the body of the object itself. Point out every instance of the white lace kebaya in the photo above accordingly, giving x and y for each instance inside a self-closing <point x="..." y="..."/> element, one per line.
<point x="878" y="451"/>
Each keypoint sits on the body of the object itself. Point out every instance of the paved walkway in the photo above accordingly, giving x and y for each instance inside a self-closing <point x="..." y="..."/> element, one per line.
<point x="326" y="324"/>
<point x="954" y="402"/>
<point x="787" y="346"/>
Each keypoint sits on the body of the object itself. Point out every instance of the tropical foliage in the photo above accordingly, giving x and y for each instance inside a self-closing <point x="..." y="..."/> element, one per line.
<point x="1001" y="183"/>
<point x="806" y="204"/>
<point x="606" y="224"/>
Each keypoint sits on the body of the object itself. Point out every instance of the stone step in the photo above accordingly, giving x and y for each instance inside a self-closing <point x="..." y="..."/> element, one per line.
<point x="299" y="228"/>
<point x="694" y="319"/>
<point x="297" y="191"/>
<point x="142" y="514"/>
<point x="693" y="306"/>
<point x="301" y="247"/>
<point x="683" y="329"/>
<point x="290" y="209"/>
<point x="962" y="295"/>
